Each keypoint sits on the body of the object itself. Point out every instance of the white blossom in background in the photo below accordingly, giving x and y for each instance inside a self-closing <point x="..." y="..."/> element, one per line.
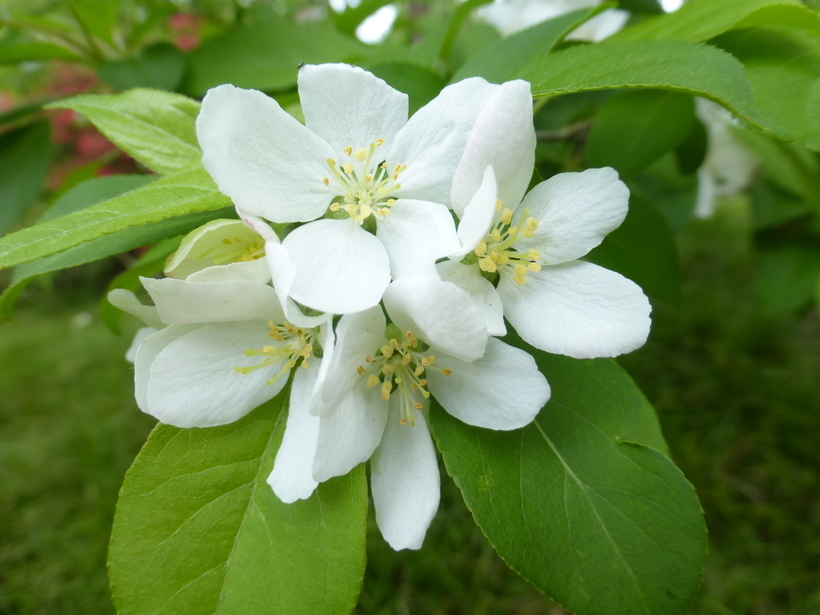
<point x="373" y="393"/>
<point x="729" y="167"/>
<point x="358" y="161"/>
<point x="511" y="16"/>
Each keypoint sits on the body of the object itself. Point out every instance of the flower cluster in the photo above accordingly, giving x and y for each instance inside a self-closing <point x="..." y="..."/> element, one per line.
<point x="373" y="267"/>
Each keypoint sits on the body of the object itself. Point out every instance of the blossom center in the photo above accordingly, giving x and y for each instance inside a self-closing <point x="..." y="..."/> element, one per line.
<point x="235" y="249"/>
<point x="290" y="345"/>
<point x="497" y="252"/>
<point x="398" y="368"/>
<point x="363" y="182"/>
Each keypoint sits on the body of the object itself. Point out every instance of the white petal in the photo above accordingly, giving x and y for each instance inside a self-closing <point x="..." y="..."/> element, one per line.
<point x="255" y="271"/>
<point x="600" y="27"/>
<point x="503" y="137"/>
<point x="181" y="301"/>
<point x="340" y="268"/>
<point x="415" y="235"/>
<point x="146" y="352"/>
<point x="199" y="247"/>
<point x="141" y="335"/>
<point x="501" y="390"/>
<point x="578" y="309"/>
<point x="127" y="301"/>
<point x="705" y="203"/>
<point x="258" y="225"/>
<point x="193" y="382"/>
<point x="291" y="478"/>
<point x="261" y="157"/>
<point x="575" y="211"/>
<point x="469" y="279"/>
<point x="348" y="106"/>
<point x="477" y="217"/>
<point x="283" y="273"/>
<point x="350" y="433"/>
<point x="432" y="143"/>
<point x="440" y="313"/>
<point x="357" y="336"/>
<point x="405" y="481"/>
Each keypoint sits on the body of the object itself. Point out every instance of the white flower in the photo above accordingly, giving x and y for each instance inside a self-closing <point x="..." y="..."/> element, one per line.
<point x="555" y="302"/>
<point x="373" y="390"/>
<point x="729" y="167"/>
<point x="358" y="160"/>
<point x="511" y="16"/>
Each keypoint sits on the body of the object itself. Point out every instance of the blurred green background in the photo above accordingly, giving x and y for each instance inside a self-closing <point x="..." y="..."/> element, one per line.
<point x="737" y="396"/>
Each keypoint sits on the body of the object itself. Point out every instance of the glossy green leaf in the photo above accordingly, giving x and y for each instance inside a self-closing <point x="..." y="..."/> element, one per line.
<point x="635" y="128"/>
<point x="783" y="67"/>
<point x="499" y="62"/>
<point x="198" y="531"/>
<point x="156" y="128"/>
<point x="643" y="249"/>
<point x="33" y="52"/>
<point x="581" y="502"/>
<point x="24" y="156"/>
<point x="161" y="67"/>
<point x="419" y="82"/>
<point x="641" y="6"/>
<point x="176" y="195"/>
<point x="84" y="195"/>
<point x="795" y="16"/>
<point x="788" y="277"/>
<point x="678" y="66"/>
<point x="266" y="55"/>
<point x="698" y="20"/>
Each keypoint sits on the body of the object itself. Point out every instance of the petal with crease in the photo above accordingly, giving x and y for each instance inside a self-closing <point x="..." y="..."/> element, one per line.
<point x="340" y="268"/>
<point x="283" y="273"/>
<point x="578" y="309"/>
<point x="477" y="217"/>
<point x="146" y="352"/>
<point x="415" y="235"/>
<point x="264" y="159"/>
<point x="193" y="381"/>
<point x="440" y="313"/>
<point x="575" y="211"/>
<point x="349" y="433"/>
<point x="469" y="279"/>
<point x="502" y="390"/>
<point x="251" y="271"/>
<point x="291" y="478"/>
<point x="405" y="481"/>
<point x="127" y="301"/>
<point x="348" y="106"/>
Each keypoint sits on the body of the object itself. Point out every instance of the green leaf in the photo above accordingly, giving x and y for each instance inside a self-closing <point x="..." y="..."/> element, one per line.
<point x="783" y="67"/>
<point x="18" y="113"/>
<point x="419" y="82"/>
<point x="794" y="16"/>
<point x="97" y="17"/>
<point x="641" y="6"/>
<point x="673" y="193"/>
<point x="349" y="19"/>
<point x="176" y="195"/>
<point x="157" y="128"/>
<point x="499" y="62"/>
<point x="772" y="206"/>
<point x="635" y="128"/>
<point x="577" y="502"/>
<point x="691" y="152"/>
<point x="688" y="68"/>
<point x="84" y="195"/>
<point x="695" y="21"/>
<point x="34" y="52"/>
<point x="198" y="531"/>
<point x="457" y="19"/>
<point x="266" y="55"/>
<point x="24" y="155"/>
<point x="161" y="66"/>
<point x="787" y="278"/>
<point x="643" y="249"/>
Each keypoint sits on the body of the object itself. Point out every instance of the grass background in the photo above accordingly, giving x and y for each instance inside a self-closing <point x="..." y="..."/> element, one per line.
<point x="738" y="397"/>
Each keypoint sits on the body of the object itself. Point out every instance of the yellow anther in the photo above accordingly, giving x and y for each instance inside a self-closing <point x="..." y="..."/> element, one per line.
<point x="403" y="421"/>
<point x="379" y="142"/>
<point x="391" y="202"/>
<point x="325" y="181"/>
<point x="498" y="204"/>
<point x="417" y="405"/>
<point x="387" y="351"/>
<point x="520" y="280"/>
<point x="335" y="207"/>
<point x="350" y="208"/>
<point x="405" y="360"/>
<point x="418" y="371"/>
<point x="513" y="230"/>
<point x="386" y="388"/>
<point x="305" y="363"/>
<point x="535" y="267"/>
<point x="506" y="215"/>
<point x="487" y="264"/>
<point x="495" y="234"/>
<point x="347" y="168"/>
<point x="423" y="382"/>
<point x="520" y="269"/>
<point x="530" y="226"/>
<point x="394" y="343"/>
<point x="368" y="178"/>
<point x="397" y="169"/>
<point x="533" y="254"/>
<point x="481" y="248"/>
<point x="388" y="369"/>
<point x="331" y="162"/>
<point x="360" y="370"/>
<point x="348" y="150"/>
<point x="446" y="372"/>
<point x="361" y="154"/>
<point x="268" y="349"/>
<point x="372" y="380"/>
<point x="369" y="359"/>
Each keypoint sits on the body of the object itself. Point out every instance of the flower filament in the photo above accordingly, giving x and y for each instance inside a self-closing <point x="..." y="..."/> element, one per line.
<point x="398" y="368"/>
<point x="496" y="252"/>
<point x="364" y="182"/>
<point x="291" y="346"/>
<point x="235" y="249"/>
